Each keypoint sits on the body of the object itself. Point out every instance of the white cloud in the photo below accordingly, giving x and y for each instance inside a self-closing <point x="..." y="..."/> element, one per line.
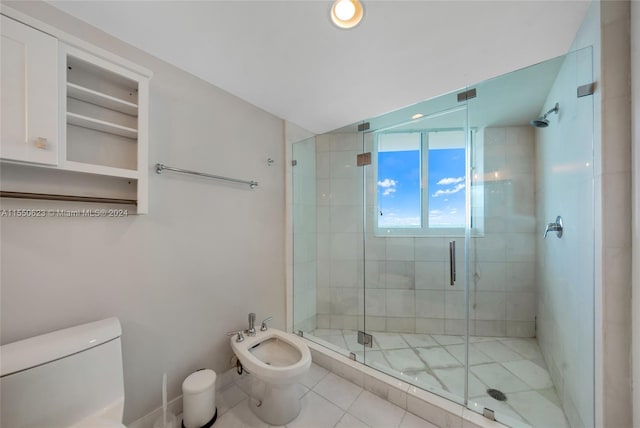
<point x="388" y="185"/>
<point x="451" y="191"/>
<point x="450" y="180"/>
<point x="396" y="221"/>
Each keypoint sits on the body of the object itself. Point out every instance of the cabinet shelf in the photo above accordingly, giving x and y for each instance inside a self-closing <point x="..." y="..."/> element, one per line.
<point x="98" y="98"/>
<point x="101" y="125"/>
<point x="101" y="170"/>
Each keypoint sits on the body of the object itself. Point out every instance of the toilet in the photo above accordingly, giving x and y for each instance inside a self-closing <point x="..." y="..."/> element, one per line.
<point x="70" y="378"/>
<point x="279" y="361"/>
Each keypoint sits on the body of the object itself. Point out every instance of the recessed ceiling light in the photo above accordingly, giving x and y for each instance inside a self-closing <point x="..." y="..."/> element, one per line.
<point x="346" y="13"/>
<point x="417" y="116"/>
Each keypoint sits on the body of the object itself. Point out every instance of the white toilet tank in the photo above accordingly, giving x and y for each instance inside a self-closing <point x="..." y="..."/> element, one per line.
<point x="68" y="378"/>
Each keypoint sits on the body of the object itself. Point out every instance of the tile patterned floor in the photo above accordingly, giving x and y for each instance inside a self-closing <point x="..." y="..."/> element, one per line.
<point x="327" y="401"/>
<point x="436" y="363"/>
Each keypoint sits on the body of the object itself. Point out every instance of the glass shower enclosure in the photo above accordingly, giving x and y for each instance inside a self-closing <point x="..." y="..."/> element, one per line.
<point x="450" y="244"/>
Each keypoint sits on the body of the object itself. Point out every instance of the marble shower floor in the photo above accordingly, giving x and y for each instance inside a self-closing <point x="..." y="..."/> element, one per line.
<point x="435" y="363"/>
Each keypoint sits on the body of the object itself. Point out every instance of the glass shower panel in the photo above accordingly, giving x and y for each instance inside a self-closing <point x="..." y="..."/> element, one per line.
<point x="530" y="297"/>
<point x="305" y="221"/>
<point x="414" y="207"/>
<point x="328" y="244"/>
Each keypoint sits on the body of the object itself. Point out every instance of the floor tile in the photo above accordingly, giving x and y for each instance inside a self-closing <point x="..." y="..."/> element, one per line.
<point x="419" y="340"/>
<point x="551" y="395"/>
<point x="537" y="410"/>
<point x="437" y="357"/>
<point x="389" y="341"/>
<point x="453" y="380"/>
<point x="404" y="360"/>
<point x="423" y="379"/>
<point x="497" y="377"/>
<point x="228" y="397"/>
<point x="373" y="358"/>
<point x="376" y="412"/>
<point x="475" y="355"/>
<point x="245" y="382"/>
<point x="316" y="412"/>
<point x="528" y="348"/>
<point x="335" y="339"/>
<point x="350" y="421"/>
<point x="476" y="339"/>
<point x="301" y="390"/>
<point x="339" y="391"/>
<point x="314" y="375"/>
<point x="500" y="407"/>
<point x="240" y="416"/>
<point x="435" y="363"/>
<point x="412" y="421"/>
<point x="497" y="351"/>
<point x="445" y="339"/>
<point x="532" y="374"/>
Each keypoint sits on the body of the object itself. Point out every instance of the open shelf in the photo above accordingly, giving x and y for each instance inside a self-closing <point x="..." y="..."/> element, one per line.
<point x="98" y="98"/>
<point x="101" y="125"/>
<point x="101" y="170"/>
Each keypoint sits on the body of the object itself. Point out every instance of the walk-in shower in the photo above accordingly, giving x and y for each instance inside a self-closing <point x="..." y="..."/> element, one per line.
<point x="506" y="320"/>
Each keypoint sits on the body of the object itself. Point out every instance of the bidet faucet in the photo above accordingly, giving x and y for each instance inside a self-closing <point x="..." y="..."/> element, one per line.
<point x="252" y="321"/>
<point x="264" y="327"/>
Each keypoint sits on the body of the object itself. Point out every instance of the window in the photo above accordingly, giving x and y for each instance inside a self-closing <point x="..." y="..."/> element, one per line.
<point x="421" y="182"/>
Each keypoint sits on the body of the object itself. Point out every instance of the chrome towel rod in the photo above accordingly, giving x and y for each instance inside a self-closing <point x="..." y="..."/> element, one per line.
<point x="160" y="167"/>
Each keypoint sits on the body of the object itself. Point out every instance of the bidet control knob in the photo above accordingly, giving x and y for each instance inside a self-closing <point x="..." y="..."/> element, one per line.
<point x="240" y="336"/>
<point x="263" y="327"/>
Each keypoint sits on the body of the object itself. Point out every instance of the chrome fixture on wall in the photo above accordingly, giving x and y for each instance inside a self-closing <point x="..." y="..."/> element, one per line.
<point x="556" y="227"/>
<point x="542" y="121"/>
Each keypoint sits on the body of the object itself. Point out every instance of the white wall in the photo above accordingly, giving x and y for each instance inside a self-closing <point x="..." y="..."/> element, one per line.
<point x="635" y="146"/>
<point x="614" y="179"/>
<point x="180" y="277"/>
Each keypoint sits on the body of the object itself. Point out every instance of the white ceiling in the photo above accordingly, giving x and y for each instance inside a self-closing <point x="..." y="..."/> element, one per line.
<point x="288" y="59"/>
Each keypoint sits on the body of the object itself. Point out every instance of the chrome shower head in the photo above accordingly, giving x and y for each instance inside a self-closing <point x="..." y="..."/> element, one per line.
<point x="542" y="122"/>
<point x="539" y="122"/>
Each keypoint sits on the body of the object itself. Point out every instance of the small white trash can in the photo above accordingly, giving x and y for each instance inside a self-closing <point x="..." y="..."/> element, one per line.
<point x="199" y="399"/>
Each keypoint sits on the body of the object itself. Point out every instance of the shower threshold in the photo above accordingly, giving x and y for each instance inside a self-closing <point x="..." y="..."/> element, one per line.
<point x="435" y="363"/>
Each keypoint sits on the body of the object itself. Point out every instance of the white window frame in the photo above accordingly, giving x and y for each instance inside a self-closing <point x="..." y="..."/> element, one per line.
<point x="425" y="229"/>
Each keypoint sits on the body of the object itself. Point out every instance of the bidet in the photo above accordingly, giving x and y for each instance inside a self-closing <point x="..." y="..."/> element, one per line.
<point x="278" y="361"/>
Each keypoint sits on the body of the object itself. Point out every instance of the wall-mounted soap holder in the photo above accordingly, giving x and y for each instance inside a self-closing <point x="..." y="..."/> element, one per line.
<point x="556" y="227"/>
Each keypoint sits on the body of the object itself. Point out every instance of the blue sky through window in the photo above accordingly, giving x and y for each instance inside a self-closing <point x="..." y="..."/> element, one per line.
<point x="399" y="184"/>
<point x="447" y="188"/>
<point x="399" y="189"/>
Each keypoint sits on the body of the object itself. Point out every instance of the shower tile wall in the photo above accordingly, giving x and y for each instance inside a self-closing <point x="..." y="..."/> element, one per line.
<point x="304" y="235"/>
<point x="407" y="278"/>
<point x="339" y="231"/>
<point x="564" y="266"/>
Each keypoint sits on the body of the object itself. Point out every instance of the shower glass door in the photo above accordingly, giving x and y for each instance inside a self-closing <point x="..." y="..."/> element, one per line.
<point x="531" y="302"/>
<point x="415" y="202"/>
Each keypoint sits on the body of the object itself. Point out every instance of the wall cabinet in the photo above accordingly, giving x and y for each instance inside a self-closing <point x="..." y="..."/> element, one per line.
<point x="29" y="94"/>
<point x="89" y="120"/>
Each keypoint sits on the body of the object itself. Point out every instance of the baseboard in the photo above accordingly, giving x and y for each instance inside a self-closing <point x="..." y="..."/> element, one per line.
<point x="174" y="406"/>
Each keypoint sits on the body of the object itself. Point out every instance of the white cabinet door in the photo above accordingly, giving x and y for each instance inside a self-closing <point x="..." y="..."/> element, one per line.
<point x="29" y="93"/>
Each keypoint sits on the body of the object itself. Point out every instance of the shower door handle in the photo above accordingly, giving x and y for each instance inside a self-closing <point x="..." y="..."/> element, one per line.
<point x="452" y="263"/>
